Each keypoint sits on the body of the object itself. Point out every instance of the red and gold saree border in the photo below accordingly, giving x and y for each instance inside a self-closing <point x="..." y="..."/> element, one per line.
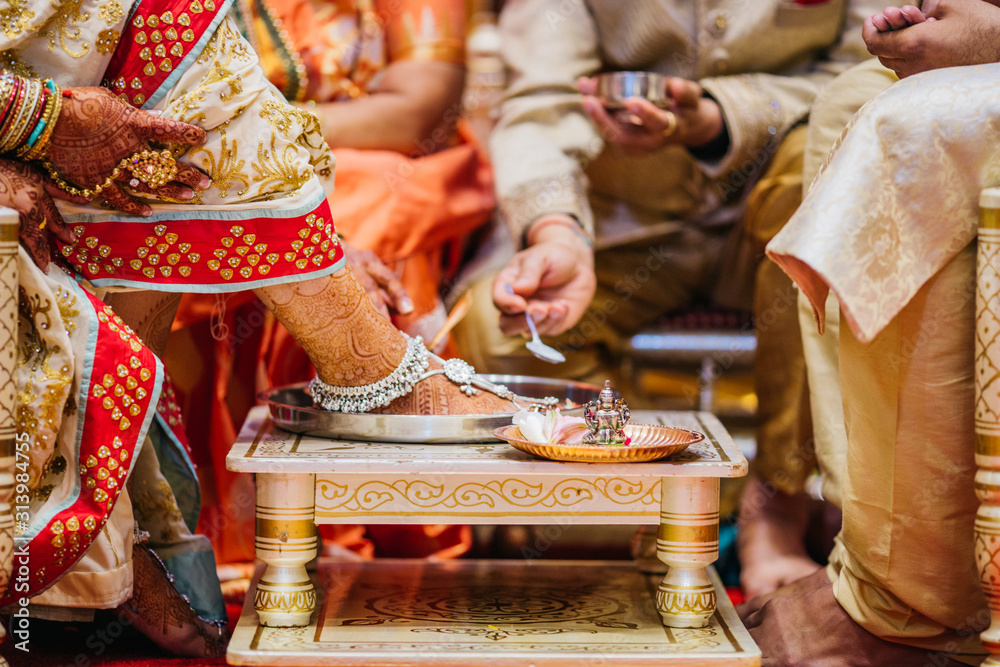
<point x="159" y="42"/>
<point x="116" y="397"/>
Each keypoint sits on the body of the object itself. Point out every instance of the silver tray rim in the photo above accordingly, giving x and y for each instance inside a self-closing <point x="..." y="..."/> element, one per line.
<point x="413" y="429"/>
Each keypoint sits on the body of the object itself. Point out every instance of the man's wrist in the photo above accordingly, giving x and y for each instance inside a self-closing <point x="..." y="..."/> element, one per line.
<point x="560" y="227"/>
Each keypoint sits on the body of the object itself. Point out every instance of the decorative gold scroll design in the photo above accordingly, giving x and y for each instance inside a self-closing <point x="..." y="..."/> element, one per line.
<point x="493" y="494"/>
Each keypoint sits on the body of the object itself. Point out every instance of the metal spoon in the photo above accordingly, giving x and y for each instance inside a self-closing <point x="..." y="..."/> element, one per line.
<point x="535" y="345"/>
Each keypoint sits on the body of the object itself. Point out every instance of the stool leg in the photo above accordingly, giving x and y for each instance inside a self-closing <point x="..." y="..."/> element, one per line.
<point x="285" y="541"/>
<point x="688" y="542"/>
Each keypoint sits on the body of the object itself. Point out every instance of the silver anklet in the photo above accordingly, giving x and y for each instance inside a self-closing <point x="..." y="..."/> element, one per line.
<point x="411" y="370"/>
<point x="377" y="394"/>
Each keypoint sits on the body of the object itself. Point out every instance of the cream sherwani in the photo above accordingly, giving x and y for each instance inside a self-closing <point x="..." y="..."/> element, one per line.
<point x="764" y="63"/>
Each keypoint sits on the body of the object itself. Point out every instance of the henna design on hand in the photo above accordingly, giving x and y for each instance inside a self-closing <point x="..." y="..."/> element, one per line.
<point x="23" y="189"/>
<point x="96" y="130"/>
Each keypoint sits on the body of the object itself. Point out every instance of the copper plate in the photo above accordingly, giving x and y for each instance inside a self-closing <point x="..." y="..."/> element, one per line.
<point x="649" y="442"/>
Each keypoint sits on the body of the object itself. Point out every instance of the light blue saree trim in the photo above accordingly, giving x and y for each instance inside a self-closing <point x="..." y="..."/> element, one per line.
<point x="178" y="469"/>
<point x="219" y="287"/>
<point x="204" y="212"/>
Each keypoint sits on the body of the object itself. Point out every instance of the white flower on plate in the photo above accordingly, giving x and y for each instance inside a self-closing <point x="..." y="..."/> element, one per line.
<point x="550" y="427"/>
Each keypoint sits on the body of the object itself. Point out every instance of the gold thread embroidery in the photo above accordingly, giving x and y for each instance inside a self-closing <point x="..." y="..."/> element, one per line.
<point x="111" y="12"/>
<point x="15" y="19"/>
<point x="63" y="27"/>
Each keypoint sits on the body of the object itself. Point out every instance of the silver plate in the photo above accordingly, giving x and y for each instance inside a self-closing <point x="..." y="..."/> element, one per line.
<point x="292" y="409"/>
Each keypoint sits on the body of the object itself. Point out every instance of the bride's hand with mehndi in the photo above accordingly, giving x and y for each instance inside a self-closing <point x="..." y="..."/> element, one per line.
<point x="96" y="131"/>
<point x="25" y="190"/>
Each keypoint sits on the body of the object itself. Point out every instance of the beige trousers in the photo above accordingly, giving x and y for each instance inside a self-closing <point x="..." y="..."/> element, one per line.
<point x="833" y="109"/>
<point x="904" y="568"/>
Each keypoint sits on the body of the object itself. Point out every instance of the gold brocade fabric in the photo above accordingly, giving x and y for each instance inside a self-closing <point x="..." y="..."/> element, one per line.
<point x="898" y="199"/>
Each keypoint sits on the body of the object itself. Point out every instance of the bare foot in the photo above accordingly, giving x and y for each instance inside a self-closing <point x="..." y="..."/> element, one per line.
<point x="897" y="18"/>
<point x="771" y="542"/>
<point x="806" y="626"/>
<point x="817" y="579"/>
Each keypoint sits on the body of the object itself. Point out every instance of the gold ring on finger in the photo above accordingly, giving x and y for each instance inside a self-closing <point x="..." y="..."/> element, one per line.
<point x="154" y="168"/>
<point x="671" y="124"/>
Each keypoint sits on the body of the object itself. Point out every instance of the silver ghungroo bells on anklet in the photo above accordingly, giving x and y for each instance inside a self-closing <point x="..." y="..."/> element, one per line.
<point x="411" y="370"/>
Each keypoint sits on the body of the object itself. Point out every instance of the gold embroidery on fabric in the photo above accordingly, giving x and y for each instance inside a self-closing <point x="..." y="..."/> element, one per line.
<point x="11" y="61"/>
<point x="15" y="19"/>
<point x="158" y="507"/>
<point x="107" y="40"/>
<point x="40" y="402"/>
<point x="226" y="170"/>
<point x="279" y="172"/>
<point x="111" y="12"/>
<point x="63" y="27"/>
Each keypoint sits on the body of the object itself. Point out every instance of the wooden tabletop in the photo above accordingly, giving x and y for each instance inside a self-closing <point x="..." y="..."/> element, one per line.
<point x="263" y="447"/>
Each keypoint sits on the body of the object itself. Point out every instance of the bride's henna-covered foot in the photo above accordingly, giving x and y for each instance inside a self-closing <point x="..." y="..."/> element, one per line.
<point x="351" y="345"/>
<point x="438" y="395"/>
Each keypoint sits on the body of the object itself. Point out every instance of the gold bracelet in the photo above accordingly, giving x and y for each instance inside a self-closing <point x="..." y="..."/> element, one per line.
<point x="154" y="168"/>
<point x="81" y="192"/>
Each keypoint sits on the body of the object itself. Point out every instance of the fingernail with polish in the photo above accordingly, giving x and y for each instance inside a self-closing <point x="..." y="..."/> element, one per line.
<point x="147" y="212"/>
<point x="154" y="112"/>
<point x="204" y="182"/>
<point x="187" y="193"/>
<point x="405" y="306"/>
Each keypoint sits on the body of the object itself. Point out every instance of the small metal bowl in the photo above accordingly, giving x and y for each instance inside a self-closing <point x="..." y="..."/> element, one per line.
<point x="613" y="88"/>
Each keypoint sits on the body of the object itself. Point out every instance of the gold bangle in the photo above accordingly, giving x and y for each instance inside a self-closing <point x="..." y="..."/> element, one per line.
<point x="51" y="118"/>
